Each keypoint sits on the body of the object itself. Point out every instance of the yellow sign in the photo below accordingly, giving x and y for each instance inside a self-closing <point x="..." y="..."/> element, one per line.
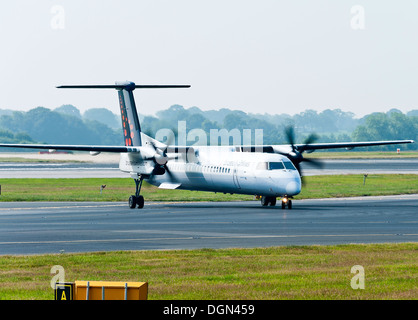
<point x="101" y="290"/>
<point x="64" y="291"/>
<point x="110" y="290"/>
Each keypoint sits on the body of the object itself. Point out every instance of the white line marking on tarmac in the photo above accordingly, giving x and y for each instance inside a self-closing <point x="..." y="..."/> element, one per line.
<point x="64" y="207"/>
<point x="206" y="237"/>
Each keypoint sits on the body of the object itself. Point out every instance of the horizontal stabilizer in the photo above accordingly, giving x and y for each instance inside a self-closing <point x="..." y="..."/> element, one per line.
<point x="117" y="149"/>
<point x="126" y="86"/>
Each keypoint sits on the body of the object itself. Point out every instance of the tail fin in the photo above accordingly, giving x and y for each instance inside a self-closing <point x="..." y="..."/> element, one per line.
<point x="130" y="122"/>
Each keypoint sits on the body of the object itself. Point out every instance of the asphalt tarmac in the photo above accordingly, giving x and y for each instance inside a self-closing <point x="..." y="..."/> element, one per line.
<point x="111" y="170"/>
<point x="48" y="227"/>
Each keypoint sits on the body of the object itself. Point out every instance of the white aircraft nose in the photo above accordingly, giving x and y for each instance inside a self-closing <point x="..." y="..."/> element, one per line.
<point x="293" y="188"/>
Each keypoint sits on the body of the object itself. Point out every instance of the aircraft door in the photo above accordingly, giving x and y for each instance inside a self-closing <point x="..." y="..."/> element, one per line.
<point x="235" y="178"/>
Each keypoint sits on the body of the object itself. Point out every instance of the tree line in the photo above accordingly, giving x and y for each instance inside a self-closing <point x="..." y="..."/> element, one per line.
<point x="99" y="126"/>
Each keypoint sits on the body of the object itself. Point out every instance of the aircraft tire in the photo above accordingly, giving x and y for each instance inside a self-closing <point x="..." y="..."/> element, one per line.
<point x="264" y="201"/>
<point x="132" y="202"/>
<point x="140" y="202"/>
<point x="272" y="201"/>
<point x="289" y="205"/>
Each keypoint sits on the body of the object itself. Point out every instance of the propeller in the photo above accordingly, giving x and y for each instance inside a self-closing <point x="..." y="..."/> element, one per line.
<point x="296" y="154"/>
<point x="160" y="159"/>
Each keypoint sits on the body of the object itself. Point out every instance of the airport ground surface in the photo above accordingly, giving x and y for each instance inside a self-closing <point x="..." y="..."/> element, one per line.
<point x="45" y="227"/>
<point x="42" y="227"/>
<point x="107" y="166"/>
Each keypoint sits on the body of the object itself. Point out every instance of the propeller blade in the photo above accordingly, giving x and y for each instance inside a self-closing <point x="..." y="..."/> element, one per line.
<point x="160" y="159"/>
<point x="314" y="162"/>
<point x="311" y="139"/>
<point x="296" y="155"/>
<point x="290" y="135"/>
<point x="170" y="174"/>
<point x="298" y="167"/>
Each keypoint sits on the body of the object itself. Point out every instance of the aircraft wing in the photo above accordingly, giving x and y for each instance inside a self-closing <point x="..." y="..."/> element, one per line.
<point x="283" y="148"/>
<point x="348" y="145"/>
<point x="96" y="148"/>
<point x="177" y="149"/>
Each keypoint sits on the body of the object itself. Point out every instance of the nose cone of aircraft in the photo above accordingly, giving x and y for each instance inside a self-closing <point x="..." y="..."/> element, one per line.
<point x="286" y="182"/>
<point x="293" y="187"/>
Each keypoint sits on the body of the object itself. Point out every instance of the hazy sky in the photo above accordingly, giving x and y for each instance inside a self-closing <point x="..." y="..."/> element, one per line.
<point x="265" y="56"/>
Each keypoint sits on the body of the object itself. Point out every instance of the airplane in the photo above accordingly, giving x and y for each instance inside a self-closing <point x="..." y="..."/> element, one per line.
<point x="266" y="171"/>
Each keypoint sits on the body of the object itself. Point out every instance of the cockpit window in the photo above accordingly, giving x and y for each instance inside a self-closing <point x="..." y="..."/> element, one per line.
<point x="276" y="165"/>
<point x="279" y="165"/>
<point x="289" y="165"/>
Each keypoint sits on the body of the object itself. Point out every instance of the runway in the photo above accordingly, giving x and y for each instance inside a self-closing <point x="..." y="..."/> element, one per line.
<point x="111" y="170"/>
<point x="47" y="227"/>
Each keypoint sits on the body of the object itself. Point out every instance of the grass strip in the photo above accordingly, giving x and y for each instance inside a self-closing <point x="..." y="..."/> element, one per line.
<point x="119" y="189"/>
<point x="277" y="273"/>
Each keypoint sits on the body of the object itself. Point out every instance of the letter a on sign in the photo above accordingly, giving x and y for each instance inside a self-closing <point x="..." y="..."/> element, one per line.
<point x="64" y="291"/>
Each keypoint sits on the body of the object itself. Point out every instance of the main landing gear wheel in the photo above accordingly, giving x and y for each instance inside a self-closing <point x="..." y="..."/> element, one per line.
<point x="132" y="202"/>
<point x="265" y="201"/>
<point x="137" y="200"/>
<point x="140" y="202"/>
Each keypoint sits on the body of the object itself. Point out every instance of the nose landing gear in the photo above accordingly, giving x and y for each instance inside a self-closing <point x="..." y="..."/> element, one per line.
<point x="286" y="202"/>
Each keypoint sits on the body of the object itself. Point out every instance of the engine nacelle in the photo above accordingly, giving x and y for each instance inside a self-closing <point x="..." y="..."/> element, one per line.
<point x="135" y="163"/>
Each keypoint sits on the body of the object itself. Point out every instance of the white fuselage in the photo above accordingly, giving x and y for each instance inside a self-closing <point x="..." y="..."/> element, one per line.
<point x="220" y="169"/>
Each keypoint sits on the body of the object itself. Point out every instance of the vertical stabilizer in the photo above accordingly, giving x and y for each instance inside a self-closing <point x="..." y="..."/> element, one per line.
<point x="128" y="113"/>
<point x="130" y="122"/>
